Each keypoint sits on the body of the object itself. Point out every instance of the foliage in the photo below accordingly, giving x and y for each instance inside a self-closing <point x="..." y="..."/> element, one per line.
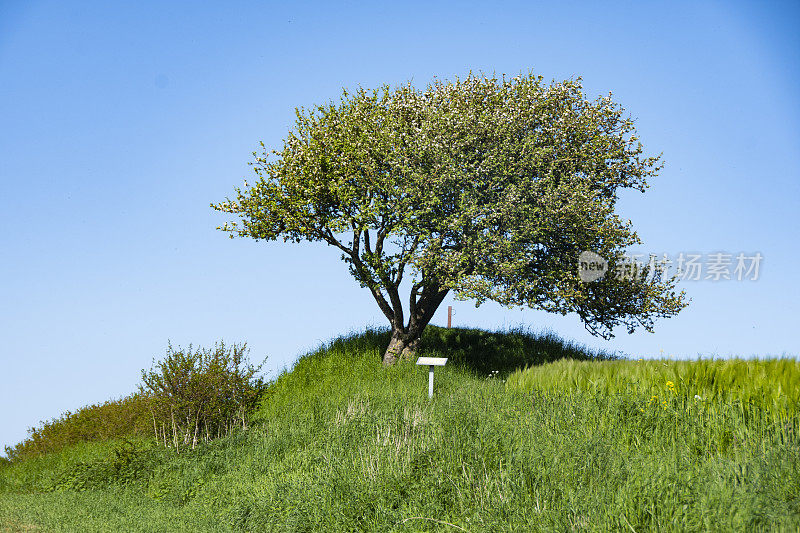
<point x="113" y="419"/>
<point x="126" y="464"/>
<point x="200" y="394"/>
<point x="490" y="188"/>
<point x="342" y="444"/>
<point x="221" y="381"/>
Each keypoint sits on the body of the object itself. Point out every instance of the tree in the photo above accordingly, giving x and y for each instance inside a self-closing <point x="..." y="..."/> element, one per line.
<point x="487" y="187"/>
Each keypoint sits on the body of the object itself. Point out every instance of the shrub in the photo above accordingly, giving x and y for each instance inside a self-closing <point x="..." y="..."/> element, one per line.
<point x="125" y="464"/>
<point x="201" y="394"/>
<point x="113" y="419"/>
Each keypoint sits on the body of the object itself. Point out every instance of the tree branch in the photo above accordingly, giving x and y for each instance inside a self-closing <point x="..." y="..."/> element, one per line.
<point x="404" y="259"/>
<point x="328" y="236"/>
<point x="412" y="301"/>
<point x="429" y="301"/>
<point x="394" y="297"/>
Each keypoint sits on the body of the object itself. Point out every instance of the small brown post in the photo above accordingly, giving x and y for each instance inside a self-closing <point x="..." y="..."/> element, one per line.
<point x="449" y="316"/>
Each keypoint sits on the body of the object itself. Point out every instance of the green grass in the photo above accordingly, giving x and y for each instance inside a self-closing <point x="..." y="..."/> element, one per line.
<point x="772" y="384"/>
<point x="342" y="444"/>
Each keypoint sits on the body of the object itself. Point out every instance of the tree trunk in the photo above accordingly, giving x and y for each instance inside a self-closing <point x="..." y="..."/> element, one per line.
<point x="403" y="345"/>
<point x="405" y="341"/>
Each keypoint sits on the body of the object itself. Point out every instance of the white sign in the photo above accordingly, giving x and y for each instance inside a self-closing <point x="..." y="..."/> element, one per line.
<point x="431" y="362"/>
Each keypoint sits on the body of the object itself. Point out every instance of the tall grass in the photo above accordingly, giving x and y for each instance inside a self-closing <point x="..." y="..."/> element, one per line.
<point x="771" y="384"/>
<point x="342" y="444"/>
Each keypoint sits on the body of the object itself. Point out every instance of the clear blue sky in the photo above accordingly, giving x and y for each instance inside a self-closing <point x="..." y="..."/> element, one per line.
<point x="120" y="124"/>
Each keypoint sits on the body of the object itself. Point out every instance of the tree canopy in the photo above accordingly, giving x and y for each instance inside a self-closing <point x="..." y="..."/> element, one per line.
<point x="487" y="187"/>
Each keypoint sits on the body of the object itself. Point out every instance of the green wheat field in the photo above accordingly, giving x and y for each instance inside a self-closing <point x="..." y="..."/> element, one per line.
<point x="526" y="432"/>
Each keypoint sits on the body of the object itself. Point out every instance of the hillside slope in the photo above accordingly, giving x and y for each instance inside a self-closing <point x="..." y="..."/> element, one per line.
<point x="342" y="444"/>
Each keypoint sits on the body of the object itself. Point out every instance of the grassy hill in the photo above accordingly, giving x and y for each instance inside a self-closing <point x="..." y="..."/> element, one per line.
<point x="525" y="433"/>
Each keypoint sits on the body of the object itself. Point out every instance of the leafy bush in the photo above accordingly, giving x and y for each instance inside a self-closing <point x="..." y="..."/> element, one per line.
<point x="201" y="394"/>
<point x="113" y="419"/>
<point x="127" y="463"/>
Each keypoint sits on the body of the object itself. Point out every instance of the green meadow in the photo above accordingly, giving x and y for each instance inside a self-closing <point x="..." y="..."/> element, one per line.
<point x="526" y="432"/>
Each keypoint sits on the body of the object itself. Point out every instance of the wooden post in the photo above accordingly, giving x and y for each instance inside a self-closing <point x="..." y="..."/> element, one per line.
<point x="449" y="316"/>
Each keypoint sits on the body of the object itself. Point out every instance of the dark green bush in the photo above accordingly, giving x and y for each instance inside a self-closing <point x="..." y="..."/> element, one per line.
<point x="484" y="352"/>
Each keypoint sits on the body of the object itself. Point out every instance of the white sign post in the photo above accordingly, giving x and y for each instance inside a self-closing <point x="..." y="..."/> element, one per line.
<point x="431" y="362"/>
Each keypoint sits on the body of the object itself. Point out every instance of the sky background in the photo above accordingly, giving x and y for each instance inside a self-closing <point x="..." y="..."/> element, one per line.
<point x="120" y="124"/>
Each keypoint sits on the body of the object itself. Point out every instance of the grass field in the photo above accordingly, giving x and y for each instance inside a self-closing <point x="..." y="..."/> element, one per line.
<point x="573" y="441"/>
